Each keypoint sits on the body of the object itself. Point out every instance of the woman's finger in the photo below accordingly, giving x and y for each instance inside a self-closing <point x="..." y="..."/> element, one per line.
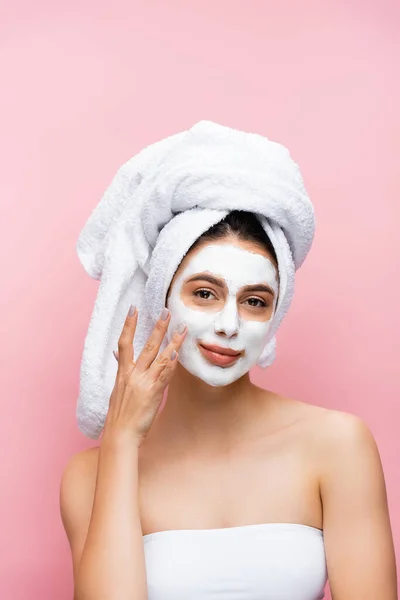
<point x="163" y="361"/>
<point x="152" y="346"/>
<point x="125" y="341"/>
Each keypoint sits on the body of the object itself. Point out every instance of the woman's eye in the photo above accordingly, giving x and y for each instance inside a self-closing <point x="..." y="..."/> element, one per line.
<point x="203" y="294"/>
<point x="254" y="301"/>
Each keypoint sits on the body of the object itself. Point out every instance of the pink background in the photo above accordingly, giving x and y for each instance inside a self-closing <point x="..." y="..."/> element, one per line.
<point x="85" y="86"/>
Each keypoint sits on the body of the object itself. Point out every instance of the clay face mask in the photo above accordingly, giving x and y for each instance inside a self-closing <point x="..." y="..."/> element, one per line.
<point x="225" y="321"/>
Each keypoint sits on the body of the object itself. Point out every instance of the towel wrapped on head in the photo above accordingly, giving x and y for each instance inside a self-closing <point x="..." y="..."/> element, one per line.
<point x="157" y="205"/>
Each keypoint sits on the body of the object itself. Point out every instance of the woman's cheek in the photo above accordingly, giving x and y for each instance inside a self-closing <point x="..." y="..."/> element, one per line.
<point x="254" y="335"/>
<point x="197" y="321"/>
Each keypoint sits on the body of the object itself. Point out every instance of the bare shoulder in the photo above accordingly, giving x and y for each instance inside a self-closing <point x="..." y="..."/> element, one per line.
<point x="331" y="425"/>
<point x="342" y="441"/>
<point x="332" y="435"/>
<point x="77" y="488"/>
<point x="340" y="430"/>
<point x="80" y="465"/>
<point x="78" y="479"/>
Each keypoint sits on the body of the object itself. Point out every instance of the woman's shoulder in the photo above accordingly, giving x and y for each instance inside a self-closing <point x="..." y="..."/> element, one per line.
<point x="325" y="429"/>
<point x="79" y="476"/>
<point x="326" y="420"/>
<point x="334" y="425"/>
<point x="334" y="437"/>
<point x="343" y="434"/>
<point x="82" y="460"/>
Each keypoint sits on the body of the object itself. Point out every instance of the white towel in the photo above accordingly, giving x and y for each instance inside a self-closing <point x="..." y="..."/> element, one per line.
<point x="158" y="203"/>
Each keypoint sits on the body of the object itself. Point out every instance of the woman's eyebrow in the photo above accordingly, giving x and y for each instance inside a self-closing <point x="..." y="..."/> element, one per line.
<point x="259" y="287"/>
<point x="256" y="287"/>
<point x="208" y="278"/>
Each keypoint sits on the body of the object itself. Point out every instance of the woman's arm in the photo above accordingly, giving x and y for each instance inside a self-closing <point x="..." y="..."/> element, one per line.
<point x="357" y="532"/>
<point x="101" y="518"/>
<point x="100" y="513"/>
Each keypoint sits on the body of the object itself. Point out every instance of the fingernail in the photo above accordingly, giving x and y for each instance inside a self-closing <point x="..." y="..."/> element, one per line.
<point x="164" y="314"/>
<point x="115" y="355"/>
<point x="132" y="310"/>
<point x="174" y="354"/>
<point x="180" y="328"/>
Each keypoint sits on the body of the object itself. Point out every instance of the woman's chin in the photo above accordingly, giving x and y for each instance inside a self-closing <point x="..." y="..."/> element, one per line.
<point x="210" y="374"/>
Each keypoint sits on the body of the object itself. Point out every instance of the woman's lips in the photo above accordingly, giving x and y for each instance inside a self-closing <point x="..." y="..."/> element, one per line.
<point x="217" y="358"/>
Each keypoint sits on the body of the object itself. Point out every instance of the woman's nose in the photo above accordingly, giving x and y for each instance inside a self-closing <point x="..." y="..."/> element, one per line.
<point x="227" y="320"/>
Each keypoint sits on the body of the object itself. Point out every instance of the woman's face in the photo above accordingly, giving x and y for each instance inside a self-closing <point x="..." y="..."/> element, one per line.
<point x="226" y="293"/>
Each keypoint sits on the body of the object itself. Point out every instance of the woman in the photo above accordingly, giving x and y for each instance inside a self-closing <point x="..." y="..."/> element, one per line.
<point x="230" y="490"/>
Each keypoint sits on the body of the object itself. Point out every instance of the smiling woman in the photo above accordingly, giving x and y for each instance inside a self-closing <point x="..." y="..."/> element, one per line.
<point x="227" y="490"/>
<point x="214" y="291"/>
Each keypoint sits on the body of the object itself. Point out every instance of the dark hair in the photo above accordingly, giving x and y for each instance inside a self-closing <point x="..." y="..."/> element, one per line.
<point x="245" y="225"/>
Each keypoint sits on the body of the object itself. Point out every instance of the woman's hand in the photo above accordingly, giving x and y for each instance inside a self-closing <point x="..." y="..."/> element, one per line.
<point x="139" y="386"/>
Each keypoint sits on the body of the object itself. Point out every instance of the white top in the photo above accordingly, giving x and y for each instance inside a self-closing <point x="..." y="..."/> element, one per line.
<point x="270" y="561"/>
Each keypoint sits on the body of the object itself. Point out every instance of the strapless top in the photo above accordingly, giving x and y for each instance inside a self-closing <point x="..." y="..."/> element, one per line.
<point x="269" y="561"/>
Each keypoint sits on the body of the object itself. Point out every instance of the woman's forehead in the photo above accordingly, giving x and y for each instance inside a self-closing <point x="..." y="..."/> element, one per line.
<point x="235" y="265"/>
<point x="224" y="251"/>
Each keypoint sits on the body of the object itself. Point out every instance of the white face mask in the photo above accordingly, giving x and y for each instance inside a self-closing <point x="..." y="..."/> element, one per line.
<point x="238" y="268"/>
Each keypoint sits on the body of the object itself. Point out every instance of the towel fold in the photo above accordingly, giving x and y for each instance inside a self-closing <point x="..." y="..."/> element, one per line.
<point x="158" y="203"/>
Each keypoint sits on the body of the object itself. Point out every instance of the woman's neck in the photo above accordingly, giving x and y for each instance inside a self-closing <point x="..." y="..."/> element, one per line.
<point x="198" y="414"/>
